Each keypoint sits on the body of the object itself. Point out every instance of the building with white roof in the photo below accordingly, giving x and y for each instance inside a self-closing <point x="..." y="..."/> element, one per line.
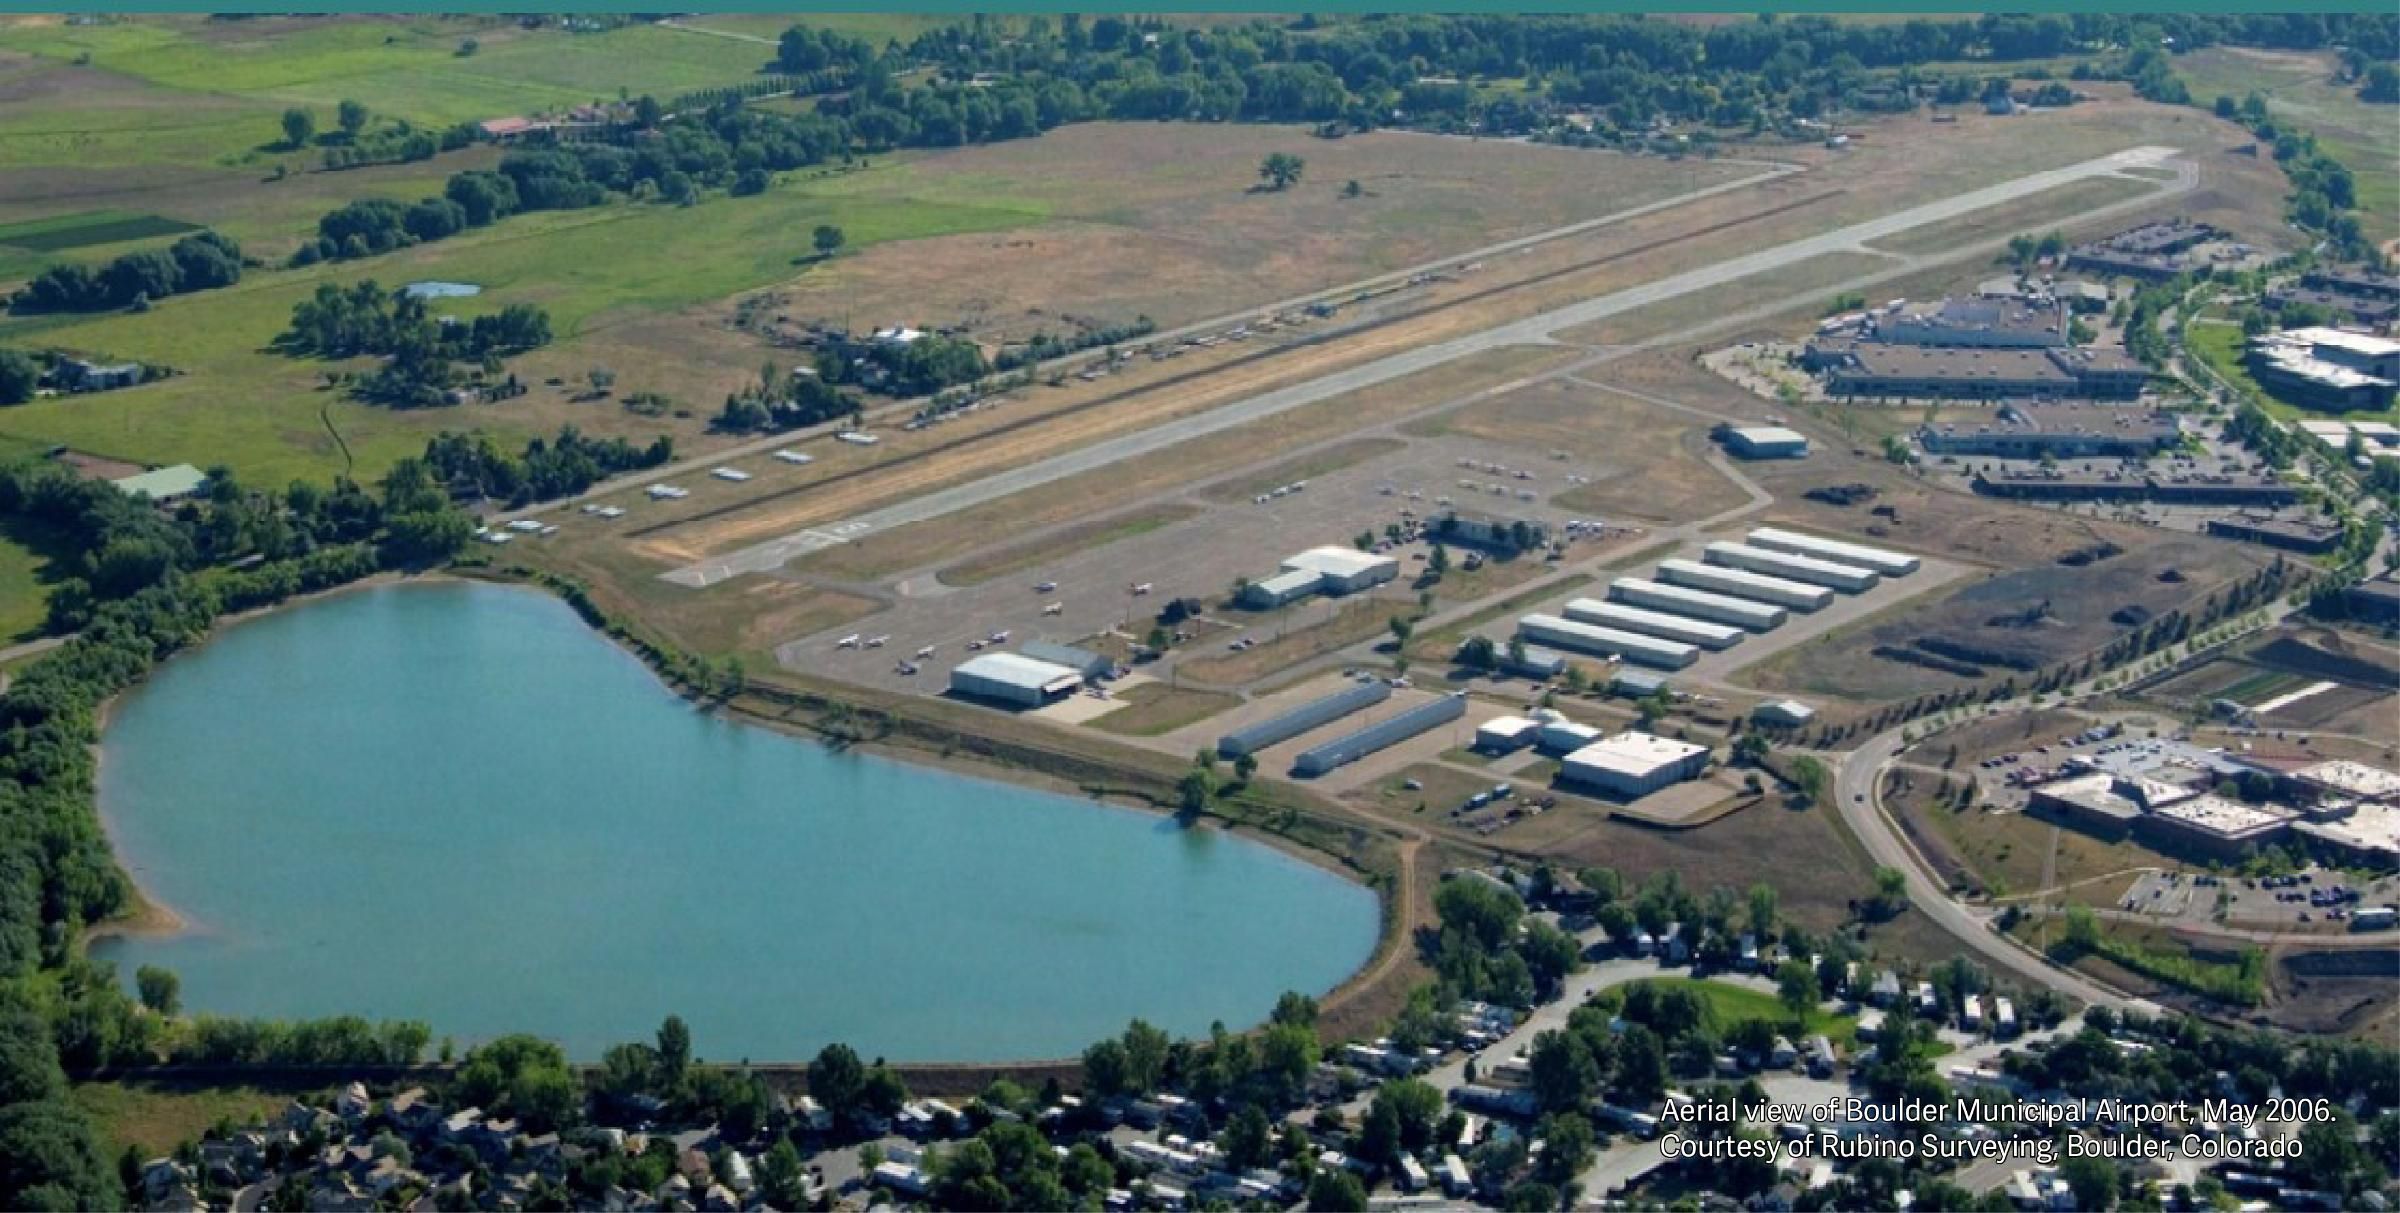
<point x="1699" y="604"/>
<point x="1502" y="734"/>
<point x="1653" y="623"/>
<point x="1344" y="569"/>
<point x="1741" y="583"/>
<point x="1882" y="560"/>
<point x="1014" y="679"/>
<point x="1613" y="642"/>
<point x="1848" y="578"/>
<point x="1766" y="442"/>
<point x="1634" y="764"/>
<point x="2329" y="367"/>
<point x="2341" y="777"/>
<point x="1321" y="570"/>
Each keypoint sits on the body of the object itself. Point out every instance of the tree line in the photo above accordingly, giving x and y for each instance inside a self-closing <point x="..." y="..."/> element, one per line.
<point x="202" y="261"/>
<point x="422" y="349"/>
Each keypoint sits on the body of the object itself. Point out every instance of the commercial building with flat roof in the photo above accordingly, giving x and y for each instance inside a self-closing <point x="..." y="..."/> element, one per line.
<point x="1611" y="642"/>
<point x="2212" y="825"/>
<point x="2153" y="252"/>
<point x="2357" y="308"/>
<point x="2289" y="534"/>
<point x="1741" y="583"/>
<point x="1977" y="324"/>
<point x="1653" y="623"/>
<point x="2019" y="431"/>
<point x="1321" y="570"/>
<point x="1634" y="764"/>
<point x="1014" y="679"/>
<point x="1881" y="560"/>
<point x="2037" y="484"/>
<point x="1766" y="442"/>
<point x="1505" y="734"/>
<point x="2354" y="280"/>
<point x="1345" y="570"/>
<point x="2328" y="367"/>
<point x="1699" y="604"/>
<point x="1848" y="578"/>
<point x="1881" y="370"/>
<point x="1789" y="713"/>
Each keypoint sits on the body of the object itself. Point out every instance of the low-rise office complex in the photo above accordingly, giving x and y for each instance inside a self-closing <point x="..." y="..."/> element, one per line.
<point x="2327" y="367"/>
<point x="2020" y="431"/>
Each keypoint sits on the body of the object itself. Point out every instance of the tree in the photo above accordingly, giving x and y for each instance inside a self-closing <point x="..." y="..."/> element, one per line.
<point x="827" y="239"/>
<point x="161" y="989"/>
<point x="674" y="1052"/>
<point x="1796" y="986"/>
<point x="1811" y="777"/>
<point x="48" y="1159"/>
<point x="1564" y="1074"/>
<point x="1145" y="1056"/>
<point x="837" y="1079"/>
<point x="2092" y="1179"/>
<point x="352" y="116"/>
<point x="1248" y="1137"/>
<point x="1567" y="1145"/>
<point x="19" y="375"/>
<point x="1245" y="765"/>
<point x="1336" y="1190"/>
<point x="1281" y="170"/>
<point x="1352" y="189"/>
<point x="299" y="127"/>
<point x="1104" y="1068"/>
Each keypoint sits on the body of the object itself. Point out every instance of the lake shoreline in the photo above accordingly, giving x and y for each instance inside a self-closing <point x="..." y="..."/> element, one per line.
<point x="1361" y="925"/>
<point x="148" y="917"/>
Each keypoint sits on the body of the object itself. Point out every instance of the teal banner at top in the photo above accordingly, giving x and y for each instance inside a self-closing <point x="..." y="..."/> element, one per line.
<point x="1929" y="8"/>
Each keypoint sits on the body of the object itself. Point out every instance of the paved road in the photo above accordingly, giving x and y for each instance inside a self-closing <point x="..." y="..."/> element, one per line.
<point x="1533" y="330"/>
<point x="1858" y="795"/>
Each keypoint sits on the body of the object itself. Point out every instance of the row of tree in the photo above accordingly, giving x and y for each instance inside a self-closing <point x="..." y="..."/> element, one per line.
<point x="202" y="261"/>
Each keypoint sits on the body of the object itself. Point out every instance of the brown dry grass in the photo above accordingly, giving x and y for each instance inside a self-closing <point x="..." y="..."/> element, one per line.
<point x="1315" y="463"/>
<point x="1648" y="457"/>
<point x="1148" y="477"/>
<point x="1098" y="532"/>
<point x="1155" y="708"/>
<point x="1352" y="620"/>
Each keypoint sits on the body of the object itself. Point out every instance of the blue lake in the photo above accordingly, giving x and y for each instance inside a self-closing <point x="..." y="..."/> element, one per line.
<point x="455" y="802"/>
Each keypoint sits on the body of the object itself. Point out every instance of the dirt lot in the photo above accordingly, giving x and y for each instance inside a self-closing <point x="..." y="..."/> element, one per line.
<point x="2352" y="992"/>
<point x="1155" y="708"/>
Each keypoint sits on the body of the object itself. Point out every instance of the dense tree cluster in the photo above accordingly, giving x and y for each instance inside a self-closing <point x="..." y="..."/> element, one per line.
<point x="198" y="262"/>
<point x="367" y="319"/>
<point x="472" y="465"/>
<point x="906" y="368"/>
<point x="424" y="350"/>
<point x="1487" y="948"/>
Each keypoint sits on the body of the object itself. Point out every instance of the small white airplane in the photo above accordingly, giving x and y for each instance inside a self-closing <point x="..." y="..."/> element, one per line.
<point x="847" y="642"/>
<point x="925" y="652"/>
<point x="974" y="646"/>
<point x="1142" y="588"/>
<point x="1054" y="608"/>
<point x="999" y="638"/>
<point x="877" y="642"/>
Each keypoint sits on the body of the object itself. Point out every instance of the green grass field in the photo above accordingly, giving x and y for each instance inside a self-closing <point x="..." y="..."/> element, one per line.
<point x="152" y="1119"/>
<point x="2300" y="90"/>
<point x="218" y="88"/>
<point x="2219" y="343"/>
<point x="1734" y="1004"/>
<point x="29" y="565"/>
<point x="266" y="415"/>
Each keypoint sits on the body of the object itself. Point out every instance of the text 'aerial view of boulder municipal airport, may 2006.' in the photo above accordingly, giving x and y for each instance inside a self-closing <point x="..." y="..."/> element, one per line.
<point x="734" y="611"/>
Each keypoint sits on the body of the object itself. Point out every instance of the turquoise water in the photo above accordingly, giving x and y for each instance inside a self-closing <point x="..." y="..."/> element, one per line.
<point x="457" y="803"/>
